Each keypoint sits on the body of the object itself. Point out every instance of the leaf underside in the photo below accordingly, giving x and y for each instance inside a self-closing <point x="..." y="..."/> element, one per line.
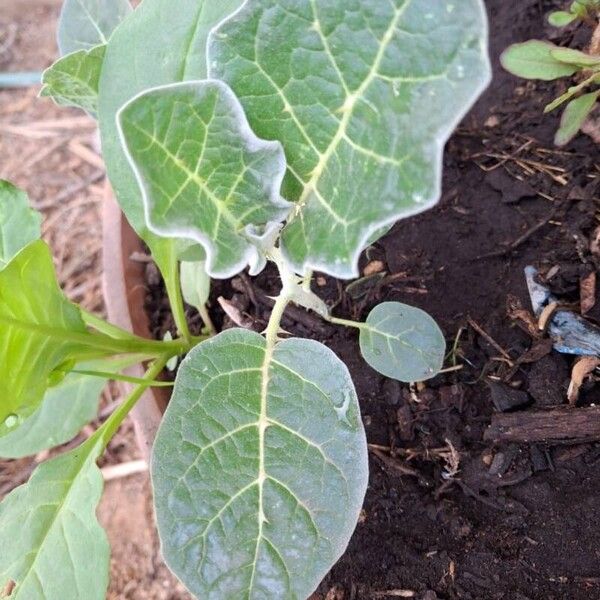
<point x="259" y="467"/>
<point x="85" y="24"/>
<point x="204" y="175"/>
<point x="66" y="408"/>
<point x="74" y="79"/>
<point x="363" y="94"/>
<point x="30" y="300"/>
<point x="402" y="342"/>
<point x="19" y="224"/>
<point x="165" y="45"/>
<point x="52" y="545"/>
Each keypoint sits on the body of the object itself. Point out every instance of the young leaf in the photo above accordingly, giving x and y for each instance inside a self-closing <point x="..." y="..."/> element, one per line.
<point x="363" y="95"/>
<point x="402" y="342"/>
<point x="204" y="175"/>
<point x="570" y="56"/>
<point x="51" y="544"/>
<point x="19" y="224"/>
<point x="73" y="80"/>
<point x="534" y="60"/>
<point x="142" y="39"/>
<point x="259" y="467"/>
<point x="66" y="408"/>
<point x="195" y="283"/>
<point x="85" y="24"/>
<point x="35" y="326"/>
<point x="574" y="116"/>
<point x="561" y="18"/>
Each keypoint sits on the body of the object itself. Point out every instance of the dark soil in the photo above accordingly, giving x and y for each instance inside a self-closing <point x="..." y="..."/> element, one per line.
<point x="515" y="522"/>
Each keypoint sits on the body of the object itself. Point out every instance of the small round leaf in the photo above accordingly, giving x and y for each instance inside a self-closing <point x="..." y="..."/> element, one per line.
<point x="402" y="342"/>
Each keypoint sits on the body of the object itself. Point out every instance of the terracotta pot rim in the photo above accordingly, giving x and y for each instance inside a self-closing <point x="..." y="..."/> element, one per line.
<point x="124" y="291"/>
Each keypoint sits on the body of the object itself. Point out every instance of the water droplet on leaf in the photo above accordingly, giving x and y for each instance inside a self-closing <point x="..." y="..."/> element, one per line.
<point x="11" y="421"/>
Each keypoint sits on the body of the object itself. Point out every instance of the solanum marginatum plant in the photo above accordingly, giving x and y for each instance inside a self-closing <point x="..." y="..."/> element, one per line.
<point x="539" y="59"/>
<point x="236" y="135"/>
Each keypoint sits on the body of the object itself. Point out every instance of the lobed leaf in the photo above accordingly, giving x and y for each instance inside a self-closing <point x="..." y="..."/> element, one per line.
<point x="259" y="467"/>
<point x="363" y="95"/>
<point x="402" y="342"/>
<point x="36" y="323"/>
<point x="574" y="116"/>
<point x="203" y="173"/>
<point x="19" y="224"/>
<point x="534" y="60"/>
<point x="65" y="409"/>
<point x="85" y="24"/>
<point x="166" y="45"/>
<point x="51" y="544"/>
<point x="73" y="80"/>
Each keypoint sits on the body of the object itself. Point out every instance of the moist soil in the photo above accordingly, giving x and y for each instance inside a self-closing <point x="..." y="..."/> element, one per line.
<point x="447" y="514"/>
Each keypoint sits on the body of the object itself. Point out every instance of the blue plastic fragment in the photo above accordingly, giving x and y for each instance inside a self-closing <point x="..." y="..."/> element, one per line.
<point x="570" y="332"/>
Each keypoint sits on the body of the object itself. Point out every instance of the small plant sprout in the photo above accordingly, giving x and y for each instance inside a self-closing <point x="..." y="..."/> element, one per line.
<point x="537" y="59"/>
<point x="236" y="135"/>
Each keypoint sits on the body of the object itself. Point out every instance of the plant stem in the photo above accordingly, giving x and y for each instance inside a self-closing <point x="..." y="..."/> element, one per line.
<point x="107" y="431"/>
<point x="347" y="323"/>
<point x="203" y="311"/>
<point x="173" y="285"/>
<point x="121" y="377"/>
<point x="307" y="280"/>
<point x="100" y="341"/>
<point x="105" y="327"/>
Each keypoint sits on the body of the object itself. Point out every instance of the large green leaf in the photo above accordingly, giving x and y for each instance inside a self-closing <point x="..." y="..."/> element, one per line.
<point x="19" y="224"/>
<point x="259" y="467"/>
<point x="363" y="95"/>
<point x="159" y="44"/>
<point x="52" y="546"/>
<point x="66" y="408"/>
<point x="73" y="80"/>
<point x="204" y="175"/>
<point x="87" y="23"/>
<point x="402" y="342"/>
<point x="36" y="323"/>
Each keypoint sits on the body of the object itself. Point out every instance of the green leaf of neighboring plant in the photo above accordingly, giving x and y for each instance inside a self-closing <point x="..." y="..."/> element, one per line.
<point x="143" y="40"/>
<point x="51" y="544"/>
<point x="66" y="408"/>
<point x="571" y="93"/>
<point x="87" y="23"/>
<point x="73" y="80"/>
<point x="259" y="467"/>
<point x="534" y="60"/>
<point x="561" y="18"/>
<point x="195" y="283"/>
<point x="402" y="342"/>
<point x="574" y="116"/>
<point x="204" y="175"/>
<point x="363" y="94"/>
<point x="35" y="325"/>
<point x="19" y="224"/>
<point x="575" y="57"/>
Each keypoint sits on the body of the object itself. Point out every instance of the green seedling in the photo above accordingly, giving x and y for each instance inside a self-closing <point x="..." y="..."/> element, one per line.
<point x="235" y="134"/>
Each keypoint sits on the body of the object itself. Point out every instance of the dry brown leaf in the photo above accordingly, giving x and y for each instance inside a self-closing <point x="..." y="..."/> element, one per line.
<point x="587" y="292"/>
<point x="375" y="266"/>
<point x="582" y="368"/>
<point x="546" y="315"/>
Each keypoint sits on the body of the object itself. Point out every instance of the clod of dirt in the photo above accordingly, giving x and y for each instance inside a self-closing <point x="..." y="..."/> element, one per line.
<point x="506" y="398"/>
<point x="547" y="379"/>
